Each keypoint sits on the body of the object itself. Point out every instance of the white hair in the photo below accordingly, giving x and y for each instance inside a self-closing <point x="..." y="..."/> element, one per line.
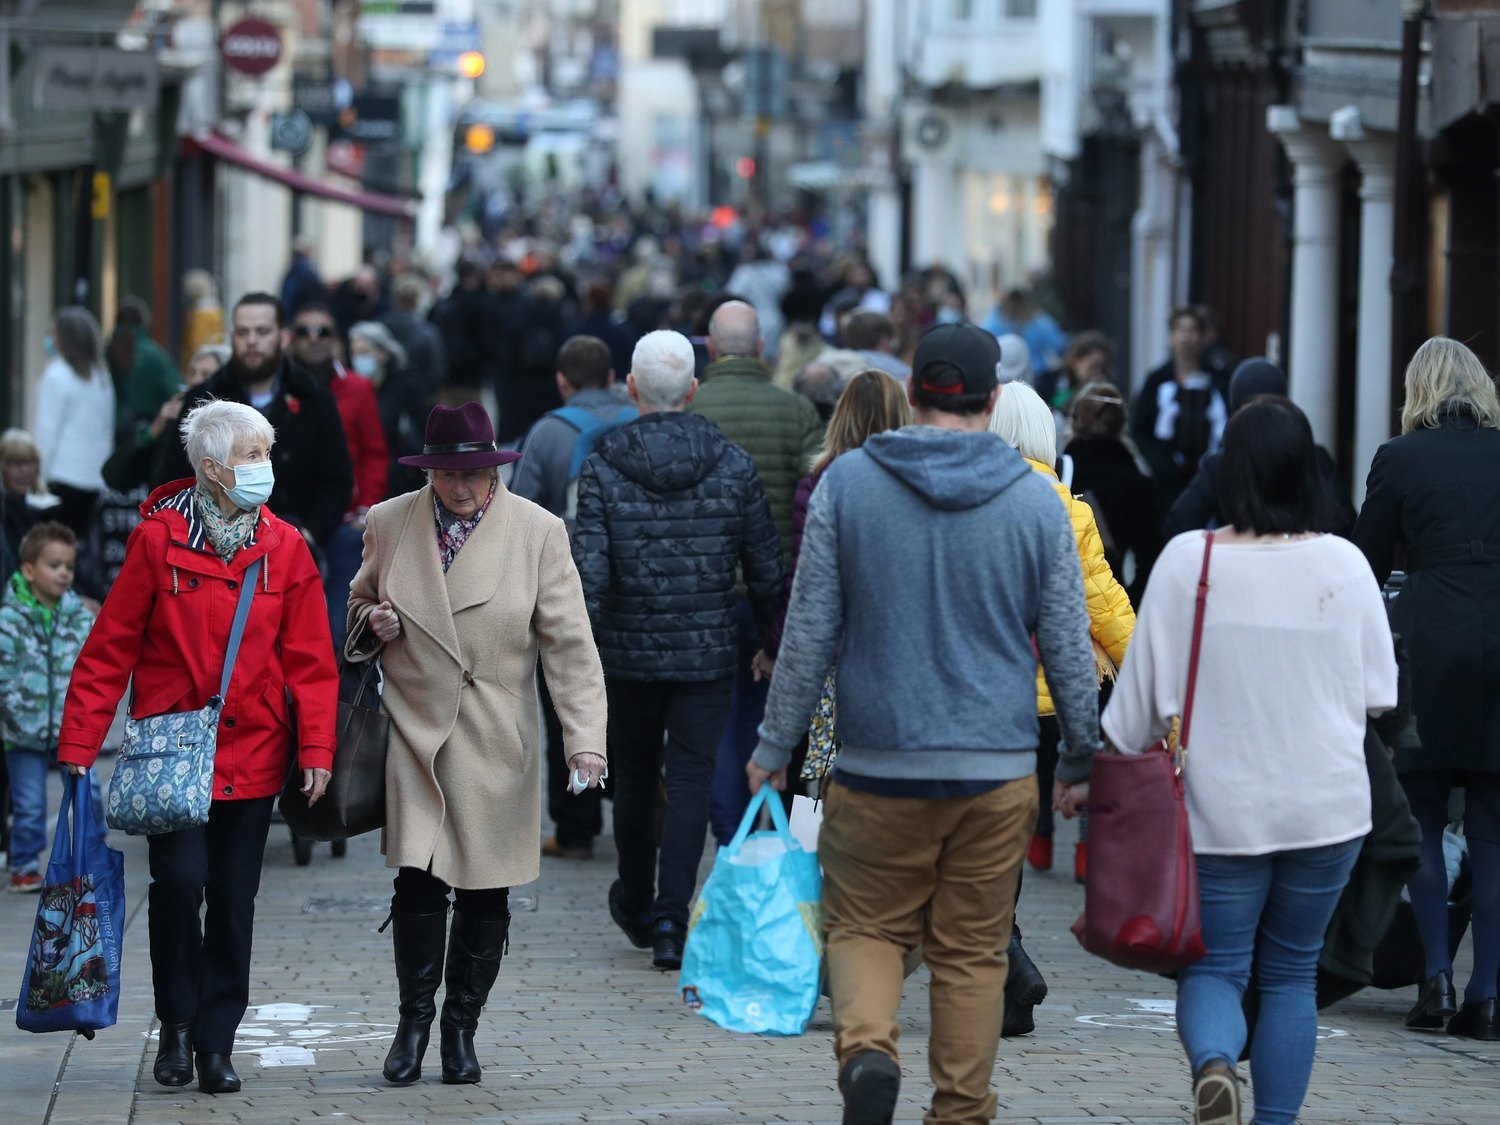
<point x="377" y="335"/>
<point x="1025" y="423"/>
<point x="213" y="429"/>
<point x="663" y="365"/>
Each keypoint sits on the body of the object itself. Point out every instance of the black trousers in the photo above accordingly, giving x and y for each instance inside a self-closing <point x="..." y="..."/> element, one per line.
<point x="79" y="512"/>
<point x="652" y="723"/>
<point x="422" y="892"/>
<point x="201" y="972"/>
<point x="578" y="818"/>
<point x="1046" y="769"/>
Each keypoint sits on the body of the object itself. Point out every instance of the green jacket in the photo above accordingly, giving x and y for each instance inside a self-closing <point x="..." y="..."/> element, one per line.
<point x="152" y="379"/>
<point x="779" y="429"/>
<point x="38" y="647"/>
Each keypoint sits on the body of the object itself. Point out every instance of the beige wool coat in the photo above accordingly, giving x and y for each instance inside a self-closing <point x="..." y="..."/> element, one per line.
<point x="464" y="768"/>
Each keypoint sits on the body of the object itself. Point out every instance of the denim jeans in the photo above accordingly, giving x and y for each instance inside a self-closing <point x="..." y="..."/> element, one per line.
<point x="657" y="877"/>
<point x="1272" y="910"/>
<point x="345" y="550"/>
<point x="28" y="798"/>
<point x="731" y="790"/>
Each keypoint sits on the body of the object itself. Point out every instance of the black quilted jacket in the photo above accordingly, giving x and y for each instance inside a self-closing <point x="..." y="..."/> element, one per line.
<point x="667" y="509"/>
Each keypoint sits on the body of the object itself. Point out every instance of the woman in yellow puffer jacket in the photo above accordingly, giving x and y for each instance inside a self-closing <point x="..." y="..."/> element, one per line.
<point x="1026" y="424"/>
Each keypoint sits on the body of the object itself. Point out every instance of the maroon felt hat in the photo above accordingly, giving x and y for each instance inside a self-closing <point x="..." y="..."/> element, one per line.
<point x="459" y="437"/>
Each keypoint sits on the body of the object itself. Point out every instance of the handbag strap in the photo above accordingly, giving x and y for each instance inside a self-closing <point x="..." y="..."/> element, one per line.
<point x="237" y="630"/>
<point x="1192" y="677"/>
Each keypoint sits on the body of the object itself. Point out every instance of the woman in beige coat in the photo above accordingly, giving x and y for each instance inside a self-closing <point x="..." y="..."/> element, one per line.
<point x="462" y="587"/>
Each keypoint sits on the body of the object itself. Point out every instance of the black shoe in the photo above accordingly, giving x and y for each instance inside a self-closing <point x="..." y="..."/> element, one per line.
<point x="174" y="1055"/>
<point x="1025" y="988"/>
<point x="216" y="1074"/>
<point x="419" y="941"/>
<point x="475" y="947"/>
<point x="638" y="930"/>
<point x="870" y="1083"/>
<point x="1435" y="1003"/>
<point x="666" y="945"/>
<point x="1476" y="1020"/>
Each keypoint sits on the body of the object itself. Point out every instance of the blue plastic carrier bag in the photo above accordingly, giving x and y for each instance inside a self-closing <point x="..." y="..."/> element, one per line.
<point x="72" y="977"/>
<point x="754" y="955"/>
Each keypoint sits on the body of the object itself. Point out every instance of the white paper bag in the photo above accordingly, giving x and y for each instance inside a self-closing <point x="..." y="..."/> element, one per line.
<point x="807" y="818"/>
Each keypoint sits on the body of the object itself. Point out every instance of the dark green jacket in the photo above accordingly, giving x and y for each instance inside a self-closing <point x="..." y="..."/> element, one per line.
<point x="779" y="429"/>
<point x="152" y="379"/>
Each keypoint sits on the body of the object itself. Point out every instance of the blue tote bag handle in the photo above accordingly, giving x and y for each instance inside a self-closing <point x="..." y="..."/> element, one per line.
<point x="778" y="819"/>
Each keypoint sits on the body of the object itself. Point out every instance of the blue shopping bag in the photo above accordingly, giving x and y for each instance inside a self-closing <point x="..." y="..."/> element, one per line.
<point x="754" y="955"/>
<point x="72" y="977"/>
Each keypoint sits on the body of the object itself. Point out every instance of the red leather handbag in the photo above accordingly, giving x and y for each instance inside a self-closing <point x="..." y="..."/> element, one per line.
<point x="1140" y="903"/>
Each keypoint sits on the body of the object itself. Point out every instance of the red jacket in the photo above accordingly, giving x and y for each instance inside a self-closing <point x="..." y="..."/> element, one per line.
<point x="359" y="410"/>
<point x="167" y="620"/>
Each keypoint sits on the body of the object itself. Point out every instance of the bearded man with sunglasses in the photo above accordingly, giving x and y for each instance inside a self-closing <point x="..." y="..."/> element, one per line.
<point x="314" y="477"/>
<point x="314" y="348"/>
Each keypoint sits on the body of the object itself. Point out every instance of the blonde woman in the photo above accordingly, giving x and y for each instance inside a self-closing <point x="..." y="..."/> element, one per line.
<point x="203" y="322"/>
<point x="1434" y="495"/>
<point x="24" y="495"/>
<point x="1025" y="422"/>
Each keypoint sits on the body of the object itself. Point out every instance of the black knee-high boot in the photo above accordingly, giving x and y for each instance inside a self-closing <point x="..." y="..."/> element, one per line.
<point x="475" y="947"/>
<point x="419" y="942"/>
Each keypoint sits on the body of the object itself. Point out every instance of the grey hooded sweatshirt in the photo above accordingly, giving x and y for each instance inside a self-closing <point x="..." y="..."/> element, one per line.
<point x="930" y="561"/>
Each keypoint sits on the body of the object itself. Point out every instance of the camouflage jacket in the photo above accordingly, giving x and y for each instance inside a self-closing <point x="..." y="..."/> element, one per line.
<point x="667" y="510"/>
<point x="38" y="647"/>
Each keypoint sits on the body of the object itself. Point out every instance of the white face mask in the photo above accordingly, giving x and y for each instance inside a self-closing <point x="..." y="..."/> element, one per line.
<point x="253" y="482"/>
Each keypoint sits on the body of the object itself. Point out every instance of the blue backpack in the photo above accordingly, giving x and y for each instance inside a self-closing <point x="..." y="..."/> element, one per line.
<point x="591" y="430"/>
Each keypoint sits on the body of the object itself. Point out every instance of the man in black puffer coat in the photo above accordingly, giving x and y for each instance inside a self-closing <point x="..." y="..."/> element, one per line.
<point x="667" y="509"/>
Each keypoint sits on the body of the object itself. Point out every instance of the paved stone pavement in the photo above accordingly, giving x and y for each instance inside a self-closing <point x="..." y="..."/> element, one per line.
<point x="580" y="1028"/>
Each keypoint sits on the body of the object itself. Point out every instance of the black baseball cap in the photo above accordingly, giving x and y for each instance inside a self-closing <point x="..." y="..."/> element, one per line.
<point x="956" y="359"/>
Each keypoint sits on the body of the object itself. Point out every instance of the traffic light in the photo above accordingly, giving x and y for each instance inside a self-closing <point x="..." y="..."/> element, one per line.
<point x="744" y="168"/>
<point x="479" y="139"/>
<point x="471" y="64"/>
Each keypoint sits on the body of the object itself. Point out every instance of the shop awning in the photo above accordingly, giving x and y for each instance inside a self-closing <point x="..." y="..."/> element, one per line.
<point x="374" y="202"/>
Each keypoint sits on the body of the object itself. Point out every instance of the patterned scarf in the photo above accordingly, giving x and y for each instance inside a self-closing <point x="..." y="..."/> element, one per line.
<point x="454" y="531"/>
<point x="226" y="534"/>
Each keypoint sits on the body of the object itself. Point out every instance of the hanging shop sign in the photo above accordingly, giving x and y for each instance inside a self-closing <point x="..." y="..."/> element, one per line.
<point x="95" y="78"/>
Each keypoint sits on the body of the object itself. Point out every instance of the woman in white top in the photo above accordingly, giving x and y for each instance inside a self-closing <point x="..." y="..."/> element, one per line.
<point x="1296" y="654"/>
<point x="75" y="418"/>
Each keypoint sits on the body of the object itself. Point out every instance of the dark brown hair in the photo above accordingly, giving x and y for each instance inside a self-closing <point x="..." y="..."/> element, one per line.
<point x="584" y="361"/>
<point x="1196" y="315"/>
<point x="1269" y="482"/>
<point x="37" y="539"/>
<point x="1085" y="344"/>
<point x="1098" y="410"/>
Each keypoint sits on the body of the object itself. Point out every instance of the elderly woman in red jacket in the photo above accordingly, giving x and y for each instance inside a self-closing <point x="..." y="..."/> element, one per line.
<point x="166" y="622"/>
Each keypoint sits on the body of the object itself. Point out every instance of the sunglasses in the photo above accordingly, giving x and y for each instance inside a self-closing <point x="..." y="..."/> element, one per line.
<point x="318" y="332"/>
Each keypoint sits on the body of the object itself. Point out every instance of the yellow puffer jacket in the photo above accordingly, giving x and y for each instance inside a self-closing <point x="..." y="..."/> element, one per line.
<point x="1111" y="620"/>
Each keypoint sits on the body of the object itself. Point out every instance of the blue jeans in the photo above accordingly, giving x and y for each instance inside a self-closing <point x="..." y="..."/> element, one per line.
<point x="28" y="799"/>
<point x="344" y="553"/>
<point x="1272" y="910"/>
<point x="730" y="794"/>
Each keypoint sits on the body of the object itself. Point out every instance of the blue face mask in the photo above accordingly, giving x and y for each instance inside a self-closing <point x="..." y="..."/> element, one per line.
<point x="49" y="346"/>
<point x="253" y="482"/>
<point x="366" y="365"/>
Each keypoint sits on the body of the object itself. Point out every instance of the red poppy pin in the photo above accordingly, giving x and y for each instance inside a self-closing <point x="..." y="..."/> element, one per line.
<point x="293" y="405"/>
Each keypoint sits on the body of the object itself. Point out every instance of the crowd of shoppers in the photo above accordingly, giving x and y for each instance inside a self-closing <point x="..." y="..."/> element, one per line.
<point x="705" y="509"/>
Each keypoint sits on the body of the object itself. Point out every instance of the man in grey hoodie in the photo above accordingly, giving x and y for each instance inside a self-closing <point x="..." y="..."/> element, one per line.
<point x="937" y="566"/>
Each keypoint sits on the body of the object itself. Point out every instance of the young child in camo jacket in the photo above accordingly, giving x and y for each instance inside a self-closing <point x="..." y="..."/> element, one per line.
<point x="42" y="627"/>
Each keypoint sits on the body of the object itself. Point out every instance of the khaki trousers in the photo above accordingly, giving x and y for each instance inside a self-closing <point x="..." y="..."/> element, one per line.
<point x="941" y="874"/>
